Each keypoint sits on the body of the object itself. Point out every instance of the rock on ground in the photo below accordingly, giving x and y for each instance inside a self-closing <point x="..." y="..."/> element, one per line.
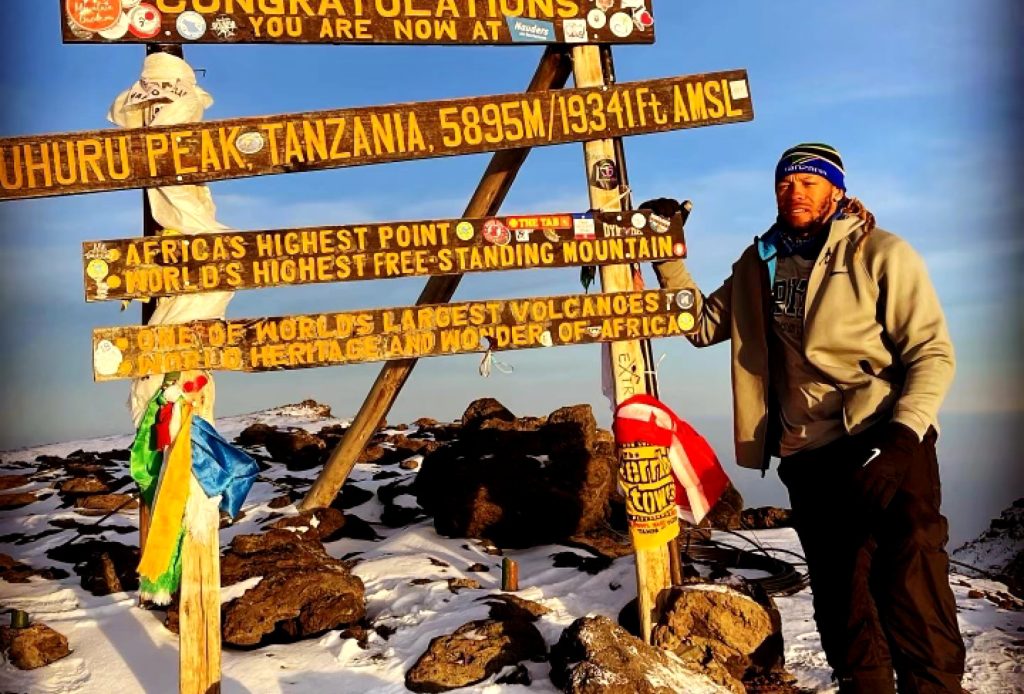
<point x="34" y="646"/>
<point x="596" y="656"/>
<point x="999" y="551"/>
<point x="474" y="652"/>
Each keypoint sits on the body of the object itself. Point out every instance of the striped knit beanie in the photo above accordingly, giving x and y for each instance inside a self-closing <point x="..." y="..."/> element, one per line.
<point x="812" y="158"/>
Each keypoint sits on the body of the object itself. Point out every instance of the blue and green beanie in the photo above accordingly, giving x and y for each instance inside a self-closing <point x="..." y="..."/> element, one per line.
<point x="812" y="158"/>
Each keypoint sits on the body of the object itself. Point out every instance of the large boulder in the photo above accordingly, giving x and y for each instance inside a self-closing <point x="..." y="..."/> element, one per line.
<point x="596" y="656"/>
<point x="722" y="632"/>
<point x="13" y="481"/>
<point x="474" y="652"/>
<point x="16" y="500"/>
<point x="34" y="646"/>
<point x="105" y="567"/>
<point x="518" y="482"/>
<point x="303" y="591"/>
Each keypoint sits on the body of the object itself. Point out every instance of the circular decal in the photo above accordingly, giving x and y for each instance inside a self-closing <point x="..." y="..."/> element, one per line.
<point x="685" y="321"/>
<point x="638" y="220"/>
<point x="679" y="249"/>
<point x="684" y="299"/>
<point x="113" y="254"/>
<point x="97" y="269"/>
<point x="621" y="24"/>
<point x="545" y="339"/>
<point x="191" y="25"/>
<point x="465" y="231"/>
<point x="118" y="30"/>
<point x="597" y="19"/>
<point x="643" y="18"/>
<point x="94" y="15"/>
<point x="659" y="224"/>
<point x="144" y="21"/>
<point x="496" y="232"/>
<point x="113" y="281"/>
<point x="250" y="142"/>
<point x="107" y="358"/>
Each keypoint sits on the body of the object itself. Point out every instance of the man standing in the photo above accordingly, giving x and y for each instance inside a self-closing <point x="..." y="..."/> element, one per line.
<point x="840" y="361"/>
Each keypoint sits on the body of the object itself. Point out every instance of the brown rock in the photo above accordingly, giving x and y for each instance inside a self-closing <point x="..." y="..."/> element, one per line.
<point x="281" y="501"/>
<point x="14" y="571"/>
<point x="409" y="464"/>
<point x="724" y="634"/>
<point x="34" y="646"/>
<point x="255" y="434"/>
<point x="766" y="518"/>
<point x="724" y="515"/>
<point x="105" y="567"/>
<point x="16" y="500"/>
<point x="507" y="607"/>
<point x="261" y="554"/>
<point x="426" y="422"/>
<point x="289" y="605"/>
<point x="84" y="485"/>
<point x="13" y="481"/>
<point x="596" y="656"/>
<point x="457" y="584"/>
<point x="297" y="449"/>
<point x="474" y="652"/>
<point x="99" y="504"/>
<point x="321" y="523"/>
<point x="483" y="409"/>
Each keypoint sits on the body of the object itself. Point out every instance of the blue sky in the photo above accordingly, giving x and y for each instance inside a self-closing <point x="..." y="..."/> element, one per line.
<point x="916" y="95"/>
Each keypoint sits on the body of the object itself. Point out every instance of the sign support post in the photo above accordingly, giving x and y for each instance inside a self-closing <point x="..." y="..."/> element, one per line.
<point x="653" y="569"/>
<point x="552" y="73"/>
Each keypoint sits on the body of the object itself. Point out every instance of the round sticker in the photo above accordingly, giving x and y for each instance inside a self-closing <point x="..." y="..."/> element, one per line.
<point x="107" y="358"/>
<point x="191" y="25"/>
<point x="545" y="338"/>
<point x="685" y="321"/>
<point x="94" y="15"/>
<point x="250" y="142"/>
<point x="97" y="269"/>
<point x="465" y="231"/>
<point x="679" y="249"/>
<point x="621" y="24"/>
<point x="144" y="21"/>
<point x="684" y="299"/>
<point x="113" y="281"/>
<point x="118" y="30"/>
<point x="659" y="224"/>
<point x="597" y="19"/>
<point x="496" y="232"/>
<point x="638" y="220"/>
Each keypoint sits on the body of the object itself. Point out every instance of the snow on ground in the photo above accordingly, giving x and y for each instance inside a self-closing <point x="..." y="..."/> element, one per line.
<point x="121" y="648"/>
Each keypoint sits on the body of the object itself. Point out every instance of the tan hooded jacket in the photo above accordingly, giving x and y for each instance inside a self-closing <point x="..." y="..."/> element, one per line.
<point x="873" y="328"/>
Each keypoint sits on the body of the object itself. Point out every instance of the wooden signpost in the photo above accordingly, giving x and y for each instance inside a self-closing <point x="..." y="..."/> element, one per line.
<point x="471" y="22"/>
<point x="173" y="265"/>
<point x="38" y="166"/>
<point x="597" y="112"/>
<point x="352" y="337"/>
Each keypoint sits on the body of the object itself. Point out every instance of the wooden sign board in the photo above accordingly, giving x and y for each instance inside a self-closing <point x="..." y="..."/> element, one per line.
<point x="333" y="339"/>
<point x="172" y="265"/>
<point x="44" y="165"/>
<point x="507" y="22"/>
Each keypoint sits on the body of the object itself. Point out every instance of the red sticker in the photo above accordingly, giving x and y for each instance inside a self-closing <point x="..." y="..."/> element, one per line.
<point x="144" y="21"/>
<point x="496" y="232"/>
<point x="94" y="15"/>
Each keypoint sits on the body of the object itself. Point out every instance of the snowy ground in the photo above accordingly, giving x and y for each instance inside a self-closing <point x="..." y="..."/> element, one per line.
<point x="120" y="648"/>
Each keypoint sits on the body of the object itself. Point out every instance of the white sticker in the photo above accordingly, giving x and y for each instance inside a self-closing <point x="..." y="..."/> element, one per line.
<point x="191" y="25"/>
<point x="638" y="220"/>
<point x="597" y="19"/>
<point x="545" y="339"/>
<point x="118" y="30"/>
<point x="621" y="24"/>
<point x="738" y="89"/>
<point x="250" y="142"/>
<point x="632" y="4"/>
<point x="107" y="358"/>
<point x="129" y="4"/>
<point x="575" y="30"/>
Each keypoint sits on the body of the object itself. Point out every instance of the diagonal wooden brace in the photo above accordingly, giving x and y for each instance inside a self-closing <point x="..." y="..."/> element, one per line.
<point x="552" y="73"/>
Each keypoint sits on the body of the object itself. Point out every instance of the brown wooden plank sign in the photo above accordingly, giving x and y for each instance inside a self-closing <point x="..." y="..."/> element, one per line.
<point x="44" y="165"/>
<point x="507" y="22"/>
<point x="172" y="265"/>
<point x="333" y="339"/>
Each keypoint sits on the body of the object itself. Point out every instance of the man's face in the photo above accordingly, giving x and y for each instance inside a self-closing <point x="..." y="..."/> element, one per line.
<point x="806" y="200"/>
